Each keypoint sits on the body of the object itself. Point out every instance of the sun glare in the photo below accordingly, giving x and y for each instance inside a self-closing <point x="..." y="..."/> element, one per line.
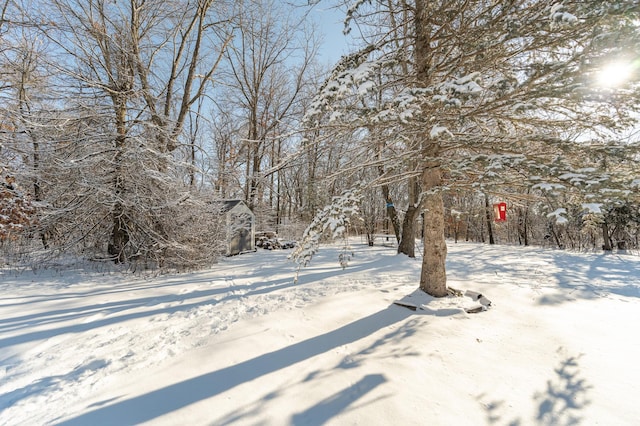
<point x="615" y="74"/>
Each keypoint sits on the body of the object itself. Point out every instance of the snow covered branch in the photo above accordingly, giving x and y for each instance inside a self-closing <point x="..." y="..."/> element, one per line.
<point x="333" y="219"/>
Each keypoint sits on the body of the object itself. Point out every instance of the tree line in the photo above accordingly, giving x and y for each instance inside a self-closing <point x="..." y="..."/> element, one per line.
<point x="124" y="124"/>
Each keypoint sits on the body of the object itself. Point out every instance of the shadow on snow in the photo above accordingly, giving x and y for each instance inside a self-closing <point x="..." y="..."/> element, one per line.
<point x="560" y="404"/>
<point x="124" y="310"/>
<point x="179" y="395"/>
<point x="559" y="276"/>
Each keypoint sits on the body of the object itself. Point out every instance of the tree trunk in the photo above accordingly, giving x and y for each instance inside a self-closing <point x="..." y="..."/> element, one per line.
<point x="119" y="237"/>
<point x="555" y="236"/>
<point x="523" y="225"/>
<point x="433" y="279"/>
<point x="607" y="246"/>
<point x="119" y="230"/>
<point x="487" y="209"/>
<point x="392" y="214"/>
<point x="37" y="189"/>
<point x="370" y="238"/>
<point x="25" y="110"/>
<point x="407" y="244"/>
<point x="408" y="239"/>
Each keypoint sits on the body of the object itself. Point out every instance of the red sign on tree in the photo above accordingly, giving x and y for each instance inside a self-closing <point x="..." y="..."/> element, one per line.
<point x="500" y="212"/>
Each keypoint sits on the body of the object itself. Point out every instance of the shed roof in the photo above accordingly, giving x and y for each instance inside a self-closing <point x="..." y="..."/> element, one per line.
<point x="228" y="205"/>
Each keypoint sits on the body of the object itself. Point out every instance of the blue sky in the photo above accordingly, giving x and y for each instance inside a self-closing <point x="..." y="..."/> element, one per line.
<point x="330" y="23"/>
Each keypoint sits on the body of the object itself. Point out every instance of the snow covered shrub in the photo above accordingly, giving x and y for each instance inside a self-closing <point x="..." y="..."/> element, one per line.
<point x="195" y="234"/>
<point x="128" y="205"/>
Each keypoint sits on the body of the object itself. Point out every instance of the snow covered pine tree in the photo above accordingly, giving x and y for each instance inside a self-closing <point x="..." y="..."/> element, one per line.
<point x="474" y="94"/>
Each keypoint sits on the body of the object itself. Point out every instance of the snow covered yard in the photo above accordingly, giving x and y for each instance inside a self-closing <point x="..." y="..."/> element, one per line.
<point x="242" y="344"/>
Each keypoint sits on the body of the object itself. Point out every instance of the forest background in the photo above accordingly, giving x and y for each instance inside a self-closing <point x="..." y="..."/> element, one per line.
<point x="124" y="124"/>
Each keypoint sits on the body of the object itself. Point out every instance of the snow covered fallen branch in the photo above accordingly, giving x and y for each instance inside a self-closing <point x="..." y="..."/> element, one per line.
<point x="333" y="218"/>
<point x="424" y="304"/>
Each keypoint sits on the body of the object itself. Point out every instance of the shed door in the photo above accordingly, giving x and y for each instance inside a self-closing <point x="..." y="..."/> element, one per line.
<point x="240" y="238"/>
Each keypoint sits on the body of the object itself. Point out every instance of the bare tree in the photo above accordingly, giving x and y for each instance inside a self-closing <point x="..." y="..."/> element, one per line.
<point x="136" y="70"/>
<point x="268" y="63"/>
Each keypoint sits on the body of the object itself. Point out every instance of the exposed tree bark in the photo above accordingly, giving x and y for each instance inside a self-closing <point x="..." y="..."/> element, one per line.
<point x="523" y="225"/>
<point x="392" y="213"/>
<point x="26" y="65"/>
<point x="405" y="235"/>
<point x="119" y="230"/>
<point x="407" y="243"/>
<point x="488" y="215"/>
<point x="194" y="130"/>
<point x="555" y="236"/>
<point x="607" y="244"/>
<point x="433" y="278"/>
<point x="408" y="237"/>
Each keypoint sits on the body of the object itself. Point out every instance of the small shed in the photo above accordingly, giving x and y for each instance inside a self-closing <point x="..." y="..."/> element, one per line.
<point x="240" y="227"/>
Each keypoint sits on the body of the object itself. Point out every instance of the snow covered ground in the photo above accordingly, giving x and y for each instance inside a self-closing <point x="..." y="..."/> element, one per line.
<point x="242" y="344"/>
